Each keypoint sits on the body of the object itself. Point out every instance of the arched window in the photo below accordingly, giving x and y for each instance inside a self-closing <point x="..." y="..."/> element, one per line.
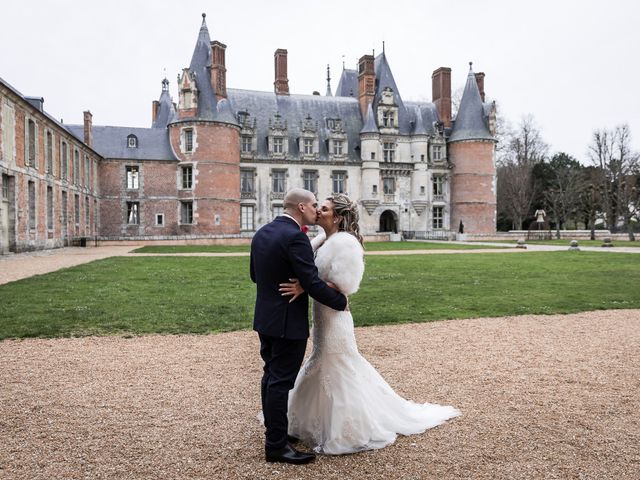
<point x="132" y="141"/>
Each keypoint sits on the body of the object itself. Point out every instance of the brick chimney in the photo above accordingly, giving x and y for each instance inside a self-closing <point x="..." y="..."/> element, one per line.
<point x="281" y="83"/>
<point x="480" y="82"/>
<point x="218" y="69"/>
<point x="441" y="93"/>
<point x="155" y="106"/>
<point x="366" y="83"/>
<point x="88" y="133"/>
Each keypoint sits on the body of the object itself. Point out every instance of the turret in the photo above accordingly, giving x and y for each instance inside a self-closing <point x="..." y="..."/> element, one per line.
<point x="471" y="150"/>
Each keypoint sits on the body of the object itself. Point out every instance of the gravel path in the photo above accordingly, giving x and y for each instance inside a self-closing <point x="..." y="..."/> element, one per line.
<point x="553" y="396"/>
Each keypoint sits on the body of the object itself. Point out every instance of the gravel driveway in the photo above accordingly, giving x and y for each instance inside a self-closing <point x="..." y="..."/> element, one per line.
<point x="553" y="396"/>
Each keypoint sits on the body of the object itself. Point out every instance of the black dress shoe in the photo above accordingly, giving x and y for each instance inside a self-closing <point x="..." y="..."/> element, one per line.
<point x="288" y="454"/>
<point x="292" y="439"/>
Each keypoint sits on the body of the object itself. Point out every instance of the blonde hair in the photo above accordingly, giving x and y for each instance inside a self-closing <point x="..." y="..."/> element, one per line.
<point x="348" y="210"/>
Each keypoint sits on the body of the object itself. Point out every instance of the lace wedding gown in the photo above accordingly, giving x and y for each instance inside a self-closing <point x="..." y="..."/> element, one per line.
<point x="340" y="403"/>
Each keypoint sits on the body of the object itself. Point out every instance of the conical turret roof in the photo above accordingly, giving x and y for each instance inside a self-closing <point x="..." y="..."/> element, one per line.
<point x="201" y="66"/>
<point x="470" y="121"/>
<point x="370" y="125"/>
<point x="166" y="110"/>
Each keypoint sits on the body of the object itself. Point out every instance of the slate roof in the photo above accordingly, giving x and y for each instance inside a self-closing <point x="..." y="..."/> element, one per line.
<point x="166" y="110"/>
<point x="294" y="109"/>
<point x="348" y="84"/>
<point x="384" y="79"/>
<point x="111" y="142"/>
<point x="470" y="123"/>
<point x="201" y="65"/>
<point x="370" y="125"/>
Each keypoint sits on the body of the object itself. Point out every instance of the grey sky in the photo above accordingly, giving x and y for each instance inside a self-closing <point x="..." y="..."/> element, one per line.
<point x="571" y="64"/>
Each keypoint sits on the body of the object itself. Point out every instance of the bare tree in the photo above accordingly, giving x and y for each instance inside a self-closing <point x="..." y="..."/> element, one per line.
<point x="517" y="186"/>
<point x="618" y="167"/>
<point x="564" y="192"/>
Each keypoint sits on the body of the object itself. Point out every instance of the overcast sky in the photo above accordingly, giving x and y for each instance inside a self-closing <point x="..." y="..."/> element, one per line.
<point x="573" y="65"/>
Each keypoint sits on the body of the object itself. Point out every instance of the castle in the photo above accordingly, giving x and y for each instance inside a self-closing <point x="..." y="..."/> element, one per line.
<point x="218" y="163"/>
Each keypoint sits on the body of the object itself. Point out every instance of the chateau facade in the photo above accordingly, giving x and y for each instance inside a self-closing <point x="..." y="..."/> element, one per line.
<point x="217" y="163"/>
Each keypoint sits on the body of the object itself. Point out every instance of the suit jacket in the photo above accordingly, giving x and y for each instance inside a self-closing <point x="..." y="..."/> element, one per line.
<point x="280" y="251"/>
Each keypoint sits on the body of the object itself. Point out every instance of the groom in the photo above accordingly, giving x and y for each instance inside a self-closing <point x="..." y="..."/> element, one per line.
<point x="280" y="251"/>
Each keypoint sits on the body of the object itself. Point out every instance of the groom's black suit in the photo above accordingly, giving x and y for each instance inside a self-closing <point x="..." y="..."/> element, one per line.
<point x="280" y="251"/>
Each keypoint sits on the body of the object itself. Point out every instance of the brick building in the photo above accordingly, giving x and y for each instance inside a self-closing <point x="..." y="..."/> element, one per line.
<point x="217" y="163"/>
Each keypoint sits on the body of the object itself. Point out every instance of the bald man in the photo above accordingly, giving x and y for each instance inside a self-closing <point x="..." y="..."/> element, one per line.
<point x="280" y="251"/>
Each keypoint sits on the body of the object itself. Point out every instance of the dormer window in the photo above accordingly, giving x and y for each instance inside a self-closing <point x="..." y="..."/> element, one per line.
<point x="308" y="146"/>
<point x="337" y="147"/>
<point x="388" y="118"/>
<point x="132" y="141"/>
<point x="277" y="144"/>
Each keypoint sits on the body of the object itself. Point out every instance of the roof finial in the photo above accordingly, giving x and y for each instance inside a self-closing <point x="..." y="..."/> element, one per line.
<point x="203" y="15"/>
<point x="383" y="47"/>
<point x="329" y="94"/>
<point x="470" y="66"/>
<point x="342" y="62"/>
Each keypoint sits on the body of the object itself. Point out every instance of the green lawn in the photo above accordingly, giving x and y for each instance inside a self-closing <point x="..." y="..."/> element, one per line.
<point x="567" y="242"/>
<point x="129" y="295"/>
<point x="369" y="246"/>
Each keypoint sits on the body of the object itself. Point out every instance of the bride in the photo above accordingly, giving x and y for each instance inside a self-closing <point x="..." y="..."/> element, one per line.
<point x="340" y="403"/>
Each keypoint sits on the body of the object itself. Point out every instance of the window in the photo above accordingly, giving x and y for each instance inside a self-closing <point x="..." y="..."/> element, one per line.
<point x="389" y="185"/>
<point x="133" y="213"/>
<point x="132" y="141"/>
<point x="374" y="189"/>
<point x="437" y="152"/>
<point x="246" y="217"/>
<point x="186" y="213"/>
<point x="438" y="217"/>
<point x="309" y="180"/>
<point x="388" y="151"/>
<point x="32" y="204"/>
<point x="49" y="153"/>
<point x="187" y="177"/>
<point x="388" y="118"/>
<point x="188" y="140"/>
<point x="65" y="161"/>
<point x="65" y="209"/>
<point x="422" y="190"/>
<point x="87" y="172"/>
<point x="337" y="147"/>
<point x="159" y="219"/>
<point x="5" y="187"/>
<point x="246" y="181"/>
<point x="87" y="213"/>
<point x="438" y="186"/>
<point x="76" y="167"/>
<point x="278" y="145"/>
<point x="77" y="209"/>
<point x="339" y="182"/>
<point x="50" y="208"/>
<point x="247" y="144"/>
<point x="277" y="210"/>
<point x="307" y="146"/>
<point x="31" y="152"/>
<point x="373" y="155"/>
<point x="422" y="157"/>
<point x="133" y="177"/>
<point x="278" y="185"/>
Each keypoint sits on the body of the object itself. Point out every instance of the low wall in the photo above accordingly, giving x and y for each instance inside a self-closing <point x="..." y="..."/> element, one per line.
<point x="564" y="235"/>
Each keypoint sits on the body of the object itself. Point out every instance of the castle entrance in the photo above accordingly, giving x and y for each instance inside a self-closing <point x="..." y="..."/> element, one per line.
<point x="389" y="221"/>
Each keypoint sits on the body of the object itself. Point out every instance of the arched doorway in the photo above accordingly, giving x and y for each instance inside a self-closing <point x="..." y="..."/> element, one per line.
<point x="389" y="221"/>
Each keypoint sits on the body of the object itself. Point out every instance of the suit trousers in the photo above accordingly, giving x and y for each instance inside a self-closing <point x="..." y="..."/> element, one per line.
<point x="282" y="360"/>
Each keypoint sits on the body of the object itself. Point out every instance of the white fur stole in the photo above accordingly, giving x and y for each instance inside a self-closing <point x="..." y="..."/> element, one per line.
<point x="340" y="260"/>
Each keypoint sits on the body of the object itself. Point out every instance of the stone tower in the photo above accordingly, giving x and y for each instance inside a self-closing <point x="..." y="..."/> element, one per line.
<point x="472" y="153"/>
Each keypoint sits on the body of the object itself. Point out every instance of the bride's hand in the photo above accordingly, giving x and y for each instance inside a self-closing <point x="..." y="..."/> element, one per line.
<point x="294" y="288"/>
<point x="334" y="286"/>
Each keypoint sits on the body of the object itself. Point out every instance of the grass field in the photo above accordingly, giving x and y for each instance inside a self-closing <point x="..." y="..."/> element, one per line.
<point x="369" y="246"/>
<point x="567" y="242"/>
<point x="130" y="296"/>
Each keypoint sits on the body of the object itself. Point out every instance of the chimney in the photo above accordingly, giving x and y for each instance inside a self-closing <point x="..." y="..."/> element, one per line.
<point x="88" y="134"/>
<point x="366" y="83"/>
<point x="441" y="94"/>
<point x="218" y="69"/>
<point x="480" y="82"/>
<point x="282" y="82"/>
<point x="155" y="106"/>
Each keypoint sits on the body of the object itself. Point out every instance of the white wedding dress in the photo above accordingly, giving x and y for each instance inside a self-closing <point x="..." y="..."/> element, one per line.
<point x="340" y="403"/>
